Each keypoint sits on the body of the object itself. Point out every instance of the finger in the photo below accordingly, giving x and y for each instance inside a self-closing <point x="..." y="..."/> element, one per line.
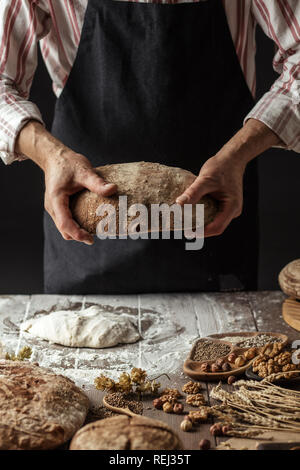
<point x="67" y="226"/>
<point x="96" y="184"/>
<point x="196" y="191"/>
<point x="221" y="221"/>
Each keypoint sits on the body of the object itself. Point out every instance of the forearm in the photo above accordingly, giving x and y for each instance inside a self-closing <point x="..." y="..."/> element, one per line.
<point x="39" y="145"/>
<point x="249" y="142"/>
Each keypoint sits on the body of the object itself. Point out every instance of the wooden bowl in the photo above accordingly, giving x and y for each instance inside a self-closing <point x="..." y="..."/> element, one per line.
<point x="192" y="368"/>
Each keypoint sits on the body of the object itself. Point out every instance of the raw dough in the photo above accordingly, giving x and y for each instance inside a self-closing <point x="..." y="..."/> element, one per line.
<point x="89" y="328"/>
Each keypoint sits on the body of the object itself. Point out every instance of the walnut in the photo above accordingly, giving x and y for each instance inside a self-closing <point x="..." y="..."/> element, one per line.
<point x="199" y="416"/>
<point x="258" y="361"/>
<point x="191" y="388"/>
<point x="284" y="358"/>
<point x="195" y="400"/>
<point x="289" y="367"/>
<point x="271" y="350"/>
<point x="168" y="399"/>
<point x="173" y="392"/>
<point x="273" y="360"/>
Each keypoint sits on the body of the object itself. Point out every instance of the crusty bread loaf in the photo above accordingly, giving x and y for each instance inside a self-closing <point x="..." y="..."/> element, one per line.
<point x="38" y="409"/>
<point x="143" y="183"/>
<point x="125" y="433"/>
<point x="289" y="279"/>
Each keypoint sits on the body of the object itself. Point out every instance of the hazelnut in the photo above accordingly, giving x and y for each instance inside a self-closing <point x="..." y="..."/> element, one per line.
<point x="186" y="425"/>
<point x="205" y="367"/>
<point x="232" y="357"/>
<point x="240" y="361"/>
<point x="231" y="379"/>
<point x="204" y="444"/>
<point x="157" y="403"/>
<point x="250" y="354"/>
<point x="167" y="407"/>
<point x="216" y="429"/>
<point x="220" y="362"/>
<point x="215" y="368"/>
<point x="188" y="418"/>
<point x="226" y="367"/>
<point x="178" y="408"/>
<point x="225" y="429"/>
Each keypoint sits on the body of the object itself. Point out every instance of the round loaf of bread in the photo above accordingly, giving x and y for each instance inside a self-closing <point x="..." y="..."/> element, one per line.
<point x="38" y="409"/>
<point x="143" y="183"/>
<point x="125" y="433"/>
<point x="289" y="279"/>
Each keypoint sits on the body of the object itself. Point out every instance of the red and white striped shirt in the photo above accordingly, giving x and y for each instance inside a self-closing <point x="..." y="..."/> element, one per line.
<point x="57" y="25"/>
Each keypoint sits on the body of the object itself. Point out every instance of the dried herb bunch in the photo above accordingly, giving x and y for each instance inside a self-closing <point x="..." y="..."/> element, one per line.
<point x="254" y="407"/>
<point x="135" y="382"/>
<point x="24" y="353"/>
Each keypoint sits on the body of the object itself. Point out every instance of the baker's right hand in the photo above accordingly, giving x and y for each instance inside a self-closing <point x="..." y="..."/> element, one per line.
<point x="65" y="175"/>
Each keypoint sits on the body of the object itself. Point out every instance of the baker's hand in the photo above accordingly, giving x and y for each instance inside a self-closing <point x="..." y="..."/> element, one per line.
<point x="66" y="174"/>
<point x="222" y="178"/>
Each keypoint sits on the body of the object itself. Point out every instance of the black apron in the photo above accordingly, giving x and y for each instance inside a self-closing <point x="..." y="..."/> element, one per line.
<point x="159" y="83"/>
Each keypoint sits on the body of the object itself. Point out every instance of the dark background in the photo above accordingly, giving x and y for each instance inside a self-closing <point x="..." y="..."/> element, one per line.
<point x="21" y="196"/>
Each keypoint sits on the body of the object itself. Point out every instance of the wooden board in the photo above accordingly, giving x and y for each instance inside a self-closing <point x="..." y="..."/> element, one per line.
<point x="291" y="313"/>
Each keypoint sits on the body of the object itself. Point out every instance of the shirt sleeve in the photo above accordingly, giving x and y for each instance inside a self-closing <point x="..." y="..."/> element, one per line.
<point x="22" y="25"/>
<point x="279" y="108"/>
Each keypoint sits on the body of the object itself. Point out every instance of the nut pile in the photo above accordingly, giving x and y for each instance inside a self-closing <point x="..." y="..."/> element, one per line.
<point x="169" y="401"/>
<point x="273" y="359"/>
<point x="231" y="362"/>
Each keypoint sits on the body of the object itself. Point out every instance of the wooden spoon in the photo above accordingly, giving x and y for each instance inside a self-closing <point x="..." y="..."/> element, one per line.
<point x="123" y="411"/>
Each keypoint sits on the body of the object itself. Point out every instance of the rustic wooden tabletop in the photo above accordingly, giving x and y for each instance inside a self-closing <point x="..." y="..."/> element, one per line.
<point x="168" y="325"/>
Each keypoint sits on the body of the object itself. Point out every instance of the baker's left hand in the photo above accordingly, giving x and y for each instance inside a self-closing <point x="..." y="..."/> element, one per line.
<point x="222" y="178"/>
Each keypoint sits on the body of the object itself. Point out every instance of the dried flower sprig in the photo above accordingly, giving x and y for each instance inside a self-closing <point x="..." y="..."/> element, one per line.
<point x="135" y="382"/>
<point x="24" y="353"/>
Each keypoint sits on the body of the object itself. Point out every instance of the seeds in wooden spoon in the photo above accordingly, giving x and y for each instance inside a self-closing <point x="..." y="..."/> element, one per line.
<point x="120" y="400"/>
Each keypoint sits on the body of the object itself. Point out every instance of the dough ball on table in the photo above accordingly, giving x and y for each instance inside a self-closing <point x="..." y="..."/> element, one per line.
<point x="125" y="433"/>
<point x="38" y="409"/>
<point x="90" y="328"/>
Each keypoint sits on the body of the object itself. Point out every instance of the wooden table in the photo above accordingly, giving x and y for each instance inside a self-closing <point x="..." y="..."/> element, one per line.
<point x="168" y="324"/>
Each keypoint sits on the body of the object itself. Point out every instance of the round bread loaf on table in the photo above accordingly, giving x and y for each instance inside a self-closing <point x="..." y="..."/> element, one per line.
<point x="289" y="279"/>
<point x="125" y="433"/>
<point x="38" y="409"/>
<point x="143" y="183"/>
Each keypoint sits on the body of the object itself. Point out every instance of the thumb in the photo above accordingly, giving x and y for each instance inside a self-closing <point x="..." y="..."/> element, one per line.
<point x="92" y="181"/>
<point x="196" y="191"/>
